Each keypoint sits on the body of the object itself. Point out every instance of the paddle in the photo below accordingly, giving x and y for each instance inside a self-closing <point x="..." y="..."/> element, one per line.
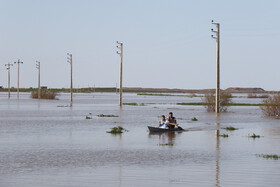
<point x="177" y="125"/>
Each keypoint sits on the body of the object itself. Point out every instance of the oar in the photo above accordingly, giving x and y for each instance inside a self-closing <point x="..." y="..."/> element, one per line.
<point x="177" y="125"/>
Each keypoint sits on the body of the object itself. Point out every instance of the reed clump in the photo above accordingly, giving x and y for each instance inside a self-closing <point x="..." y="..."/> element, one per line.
<point x="44" y="94"/>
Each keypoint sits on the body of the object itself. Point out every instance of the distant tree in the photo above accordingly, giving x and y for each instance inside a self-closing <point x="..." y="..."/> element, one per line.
<point x="271" y="106"/>
<point x="209" y="101"/>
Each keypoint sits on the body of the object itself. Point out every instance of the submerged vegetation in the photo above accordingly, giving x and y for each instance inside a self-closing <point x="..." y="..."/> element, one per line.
<point x="158" y="94"/>
<point x="254" y="136"/>
<point x="230" y="104"/>
<point x="274" y="157"/>
<point x="230" y="128"/>
<point x="44" y="94"/>
<point x="194" y="119"/>
<point x="134" y="104"/>
<point x="224" y="135"/>
<point x="166" y="144"/>
<point x="117" y="130"/>
<point x="271" y="106"/>
<point x="210" y="99"/>
<point x="103" y="115"/>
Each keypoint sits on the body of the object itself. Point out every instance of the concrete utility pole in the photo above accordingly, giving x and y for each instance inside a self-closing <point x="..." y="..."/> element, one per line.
<point x="69" y="59"/>
<point x="18" y="62"/>
<point x="120" y="46"/>
<point x="8" y="68"/>
<point x="39" y="87"/>
<point x="217" y="38"/>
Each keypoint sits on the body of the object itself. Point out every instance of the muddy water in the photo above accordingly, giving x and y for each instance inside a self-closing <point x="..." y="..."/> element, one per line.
<point x="47" y="143"/>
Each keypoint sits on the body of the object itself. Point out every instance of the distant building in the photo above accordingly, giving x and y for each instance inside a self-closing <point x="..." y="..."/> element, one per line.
<point x="44" y="87"/>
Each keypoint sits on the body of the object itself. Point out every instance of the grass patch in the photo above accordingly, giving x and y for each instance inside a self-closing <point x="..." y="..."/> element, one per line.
<point x="194" y="119"/>
<point x="166" y="144"/>
<point x="150" y="94"/>
<point x="223" y="135"/>
<point x="254" y="136"/>
<point x="103" y="115"/>
<point x="62" y="106"/>
<point x="274" y="157"/>
<point x="231" y="104"/>
<point x="117" y="130"/>
<point x="134" y="104"/>
<point x="230" y="128"/>
<point x="195" y="104"/>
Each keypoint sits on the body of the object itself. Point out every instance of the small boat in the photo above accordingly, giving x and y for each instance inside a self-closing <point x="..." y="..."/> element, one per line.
<point x="157" y="129"/>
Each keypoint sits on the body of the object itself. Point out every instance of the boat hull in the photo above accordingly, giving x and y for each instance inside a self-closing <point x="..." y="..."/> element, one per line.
<point x="156" y="129"/>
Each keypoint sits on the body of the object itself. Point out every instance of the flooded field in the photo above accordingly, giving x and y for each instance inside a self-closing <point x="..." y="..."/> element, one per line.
<point x="47" y="143"/>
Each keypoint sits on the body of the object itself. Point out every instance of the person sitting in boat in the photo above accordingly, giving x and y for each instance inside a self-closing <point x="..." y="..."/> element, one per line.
<point x="163" y="123"/>
<point x="171" y="119"/>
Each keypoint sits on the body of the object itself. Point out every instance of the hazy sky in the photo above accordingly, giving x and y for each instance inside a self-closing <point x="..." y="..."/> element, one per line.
<point x="167" y="43"/>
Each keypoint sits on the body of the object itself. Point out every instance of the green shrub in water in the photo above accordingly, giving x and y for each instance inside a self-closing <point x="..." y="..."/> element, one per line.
<point x="274" y="157"/>
<point x="103" y="115"/>
<point x="230" y="128"/>
<point x="117" y="130"/>
<point x="194" y="119"/>
<point x="254" y="136"/>
<point x="224" y="135"/>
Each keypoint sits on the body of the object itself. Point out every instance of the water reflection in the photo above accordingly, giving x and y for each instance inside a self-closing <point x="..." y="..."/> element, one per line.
<point x="217" y="135"/>
<point x="165" y="138"/>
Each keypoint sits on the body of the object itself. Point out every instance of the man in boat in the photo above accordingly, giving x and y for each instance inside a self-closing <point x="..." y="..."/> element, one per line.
<point x="163" y="123"/>
<point x="171" y="119"/>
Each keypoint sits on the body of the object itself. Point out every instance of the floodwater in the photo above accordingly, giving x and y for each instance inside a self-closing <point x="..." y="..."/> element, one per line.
<point x="47" y="143"/>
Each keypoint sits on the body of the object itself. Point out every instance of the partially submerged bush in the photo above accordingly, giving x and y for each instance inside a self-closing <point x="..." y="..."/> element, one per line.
<point x="271" y="106"/>
<point x="104" y="115"/>
<point x="117" y="130"/>
<point x="209" y="101"/>
<point x="44" y="94"/>
<point x="194" y="119"/>
<point x="274" y="157"/>
<point x="166" y="144"/>
<point x="224" y="135"/>
<point x="230" y="128"/>
<point x="254" y="136"/>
